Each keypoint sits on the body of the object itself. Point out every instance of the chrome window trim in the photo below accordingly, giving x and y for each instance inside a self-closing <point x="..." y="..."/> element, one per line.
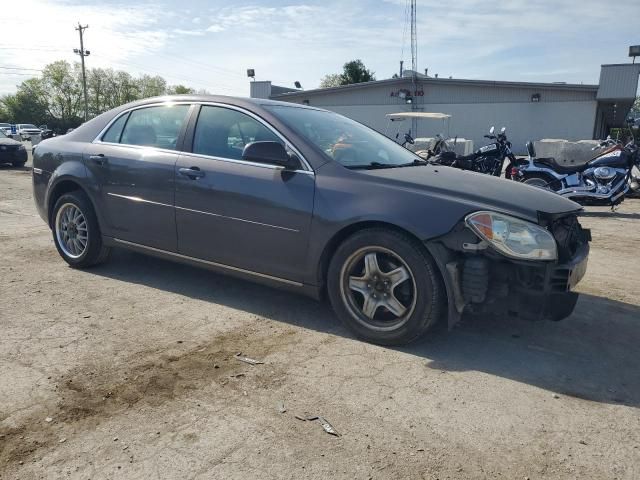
<point x="244" y="162"/>
<point x="307" y="166"/>
<point x="207" y="262"/>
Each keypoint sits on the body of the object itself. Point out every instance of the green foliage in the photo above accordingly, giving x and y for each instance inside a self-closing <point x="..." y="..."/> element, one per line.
<point x="352" y="72"/>
<point x="180" y="90"/>
<point x="56" y="97"/>
<point x="355" y="72"/>
<point x="331" y="80"/>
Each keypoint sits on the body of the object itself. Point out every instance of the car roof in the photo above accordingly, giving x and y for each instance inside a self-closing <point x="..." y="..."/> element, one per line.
<point x="216" y="99"/>
<point x="89" y="130"/>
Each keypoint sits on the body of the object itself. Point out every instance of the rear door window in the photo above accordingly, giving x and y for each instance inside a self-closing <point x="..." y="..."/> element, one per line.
<point x="155" y="126"/>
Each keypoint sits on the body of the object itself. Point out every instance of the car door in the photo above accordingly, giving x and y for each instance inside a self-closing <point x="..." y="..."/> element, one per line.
<point x="253" y="216"/>
<point x="134" y="166"/>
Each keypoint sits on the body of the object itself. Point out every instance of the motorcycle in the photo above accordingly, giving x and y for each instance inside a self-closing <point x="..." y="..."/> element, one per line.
<point x="604" y="180"/>
<point x="488" y="159"/>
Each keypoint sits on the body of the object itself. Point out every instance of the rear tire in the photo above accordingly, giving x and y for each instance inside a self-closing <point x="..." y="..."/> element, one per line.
<point x="385" y="287"/>
<point x="76" y="232"/>
<point x="540" y="180"/>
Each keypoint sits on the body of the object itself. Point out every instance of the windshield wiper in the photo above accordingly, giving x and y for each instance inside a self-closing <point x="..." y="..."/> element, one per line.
<point x="414" y="163"/>
<point x="372" y="166"/>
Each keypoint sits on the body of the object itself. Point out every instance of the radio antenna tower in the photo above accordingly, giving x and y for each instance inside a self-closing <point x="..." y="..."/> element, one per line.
<point x="414" y="40"/>
<point x="414" y="51"/>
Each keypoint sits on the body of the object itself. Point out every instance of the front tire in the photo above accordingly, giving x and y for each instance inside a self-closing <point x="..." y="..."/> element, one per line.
<point x="76" y="232"/>
<point x="384" y="287"/>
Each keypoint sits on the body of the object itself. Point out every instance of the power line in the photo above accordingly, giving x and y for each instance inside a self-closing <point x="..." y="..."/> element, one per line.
<point x="201" y="64"/>
<point x="197" y="82"/>
<point x="21" y="68"/>
<point x="16" y="73"/>
<point x="42" y="49"/>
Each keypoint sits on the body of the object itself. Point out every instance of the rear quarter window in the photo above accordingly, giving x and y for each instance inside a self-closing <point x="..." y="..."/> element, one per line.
<point x="115" y="130"/>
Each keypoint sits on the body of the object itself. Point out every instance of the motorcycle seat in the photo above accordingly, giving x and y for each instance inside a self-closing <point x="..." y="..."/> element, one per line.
<point x="557" y="167"/>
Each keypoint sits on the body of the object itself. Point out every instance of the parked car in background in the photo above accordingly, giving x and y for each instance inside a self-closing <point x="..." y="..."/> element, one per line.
<point x="46" y="132"/>
<point x="27" y="130"/>
<point x="12" y="151"/>
<point x="5" y="128"/>
<point x="252" y="188"/>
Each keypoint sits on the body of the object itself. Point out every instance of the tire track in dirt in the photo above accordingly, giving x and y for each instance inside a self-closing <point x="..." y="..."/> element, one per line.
<point x="90" y="395"/>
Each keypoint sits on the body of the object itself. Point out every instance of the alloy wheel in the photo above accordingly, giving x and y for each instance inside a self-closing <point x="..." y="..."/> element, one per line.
<point x="72" y="230"/>
<point x="378" y="288"/>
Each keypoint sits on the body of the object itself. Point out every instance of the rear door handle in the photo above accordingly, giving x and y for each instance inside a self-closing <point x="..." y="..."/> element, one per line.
<point x="99" y="159"/>
<point x="193" y="173"/>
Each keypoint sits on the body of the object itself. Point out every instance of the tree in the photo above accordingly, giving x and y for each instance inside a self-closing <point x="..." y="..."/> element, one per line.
<point x="180" y="90"/>
<point x="331" y="80"/>
<point x="355" y="72"/>
<point x="149" y="86"/>
<point x="635" y="108"/>
<point x="352" y="72"/>
<point x="56" y="97"/>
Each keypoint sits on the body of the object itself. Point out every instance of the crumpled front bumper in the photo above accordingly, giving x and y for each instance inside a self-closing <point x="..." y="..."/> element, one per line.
<point x="483" y="281"/>
<point x="553" y="298"/>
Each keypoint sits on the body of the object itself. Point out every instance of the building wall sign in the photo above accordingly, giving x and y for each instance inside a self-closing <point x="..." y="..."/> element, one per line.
<point x="404" y="93"/>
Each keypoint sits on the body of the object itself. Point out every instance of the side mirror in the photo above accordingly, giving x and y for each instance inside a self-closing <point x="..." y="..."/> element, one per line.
<point x="491" y="130"/>
<point x="270" y="152"/>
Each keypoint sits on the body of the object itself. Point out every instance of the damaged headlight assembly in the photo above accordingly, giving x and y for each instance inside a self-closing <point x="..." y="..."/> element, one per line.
<point x="513" y="237"/>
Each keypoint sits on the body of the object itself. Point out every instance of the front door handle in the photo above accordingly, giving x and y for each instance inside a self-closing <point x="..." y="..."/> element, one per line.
<point x="193" y="173"/>
<point x="99" y="159"/>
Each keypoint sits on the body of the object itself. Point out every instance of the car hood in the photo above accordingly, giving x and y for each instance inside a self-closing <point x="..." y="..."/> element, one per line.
<point x="9" y="141"/>
<point x="479" y="191"/>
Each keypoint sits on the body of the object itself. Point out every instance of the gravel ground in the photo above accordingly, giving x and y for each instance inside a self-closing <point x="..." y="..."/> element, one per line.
<point x="128" y="370"/>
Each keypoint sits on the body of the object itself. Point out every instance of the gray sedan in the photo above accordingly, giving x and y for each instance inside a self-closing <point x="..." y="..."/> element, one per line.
<point x="311" y="201"/>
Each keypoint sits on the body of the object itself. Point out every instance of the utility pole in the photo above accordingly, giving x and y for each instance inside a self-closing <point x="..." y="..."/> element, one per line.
<point x="83" y="53"/>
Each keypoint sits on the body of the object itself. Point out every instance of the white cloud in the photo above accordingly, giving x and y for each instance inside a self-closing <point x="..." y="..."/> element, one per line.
<point x="543" y="40"/>
<point x="193" y="33"/>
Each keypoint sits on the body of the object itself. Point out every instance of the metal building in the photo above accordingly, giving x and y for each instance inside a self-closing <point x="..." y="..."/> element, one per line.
<point x="530" y="111"/>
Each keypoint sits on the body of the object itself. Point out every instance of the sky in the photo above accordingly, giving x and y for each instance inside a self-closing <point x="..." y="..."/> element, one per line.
<point x="209" y="44"/>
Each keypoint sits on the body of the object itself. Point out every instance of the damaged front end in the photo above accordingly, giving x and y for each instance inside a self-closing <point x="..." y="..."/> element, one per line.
<point x="498" y="264"/>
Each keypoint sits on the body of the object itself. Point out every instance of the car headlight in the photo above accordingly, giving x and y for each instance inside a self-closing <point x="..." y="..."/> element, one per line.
<point x="513" y="237"/>
<point x="21" y="147"/>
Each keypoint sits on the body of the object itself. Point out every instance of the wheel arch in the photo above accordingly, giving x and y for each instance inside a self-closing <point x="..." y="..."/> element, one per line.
<point x="62" y="187"/>
<point x="341" y="235"/>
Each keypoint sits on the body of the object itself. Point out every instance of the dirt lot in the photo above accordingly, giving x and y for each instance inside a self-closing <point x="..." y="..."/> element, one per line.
<point x="128" y="371"/>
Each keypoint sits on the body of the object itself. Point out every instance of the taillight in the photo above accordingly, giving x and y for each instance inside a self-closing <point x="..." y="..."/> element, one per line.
<point x="514" y="171"/>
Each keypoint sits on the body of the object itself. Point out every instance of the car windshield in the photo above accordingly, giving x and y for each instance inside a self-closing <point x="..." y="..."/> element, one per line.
<point x="28" y="125"/>
<point x="341" y="139"/>
<point x="2" y="135"/>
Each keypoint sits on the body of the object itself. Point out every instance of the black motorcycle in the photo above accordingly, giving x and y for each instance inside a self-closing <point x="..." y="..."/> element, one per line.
<point x="488" y="159"/>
